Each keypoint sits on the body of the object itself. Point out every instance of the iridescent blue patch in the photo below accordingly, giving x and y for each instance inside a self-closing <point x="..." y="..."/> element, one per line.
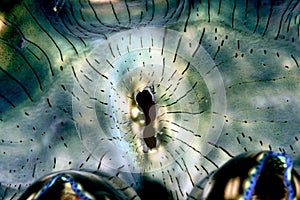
<point x="256" y="175"/>
<point x="285" y="165"/>
<point x="81" y="185"/>
<point x="65" y="178"/>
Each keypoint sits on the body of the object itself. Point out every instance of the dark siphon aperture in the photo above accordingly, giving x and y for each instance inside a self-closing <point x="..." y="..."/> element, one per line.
<point x="145" y="100"/>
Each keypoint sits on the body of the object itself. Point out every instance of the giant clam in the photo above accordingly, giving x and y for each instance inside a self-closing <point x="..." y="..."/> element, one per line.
<point x="219" y="78"/>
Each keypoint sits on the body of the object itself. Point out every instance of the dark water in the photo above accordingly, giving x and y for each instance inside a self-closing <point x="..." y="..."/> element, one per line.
<point x="225" y="77"/>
